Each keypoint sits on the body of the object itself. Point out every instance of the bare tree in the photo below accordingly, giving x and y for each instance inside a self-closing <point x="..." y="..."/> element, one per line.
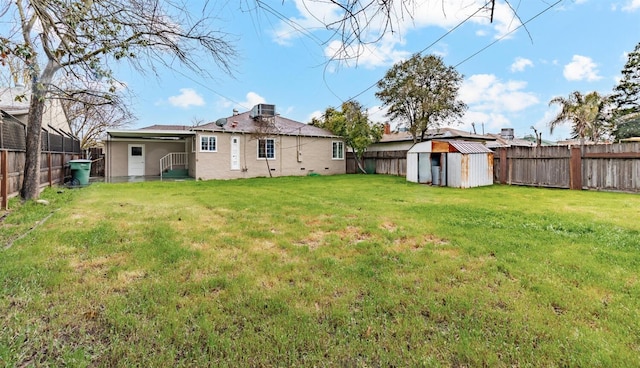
<point x="82" y="38"/>
<point x="90" y="116"/>
<point x="357" y="23"/>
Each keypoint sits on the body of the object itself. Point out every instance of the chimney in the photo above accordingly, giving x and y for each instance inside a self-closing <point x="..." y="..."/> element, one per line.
<point x="387" y="128"/>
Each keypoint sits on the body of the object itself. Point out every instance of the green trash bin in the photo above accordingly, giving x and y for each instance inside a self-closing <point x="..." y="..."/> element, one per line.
<point x="80" y="172"/>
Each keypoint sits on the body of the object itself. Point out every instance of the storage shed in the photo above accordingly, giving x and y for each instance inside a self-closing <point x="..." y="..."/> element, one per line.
<point x="457" y="164"/>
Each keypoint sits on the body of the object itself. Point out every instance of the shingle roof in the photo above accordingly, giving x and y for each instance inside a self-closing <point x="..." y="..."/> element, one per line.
<point x="244" y="123"/>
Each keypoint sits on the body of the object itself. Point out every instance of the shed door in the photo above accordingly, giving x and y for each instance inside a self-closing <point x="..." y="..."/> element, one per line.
<point x="136" y="160"/>
<point x="235" y="153"/>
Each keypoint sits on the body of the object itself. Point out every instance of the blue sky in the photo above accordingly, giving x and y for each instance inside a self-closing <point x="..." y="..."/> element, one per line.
<point x="572" y="45"/>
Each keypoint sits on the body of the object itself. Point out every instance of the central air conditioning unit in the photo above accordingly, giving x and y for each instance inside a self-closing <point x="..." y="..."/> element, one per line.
<point x="263" y="111"/>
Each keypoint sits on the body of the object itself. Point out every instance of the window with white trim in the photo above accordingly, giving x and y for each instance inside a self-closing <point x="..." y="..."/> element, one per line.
<point x="267" y="148"/>
<point x="338" y="150"/>
<point x="208" y="143"/>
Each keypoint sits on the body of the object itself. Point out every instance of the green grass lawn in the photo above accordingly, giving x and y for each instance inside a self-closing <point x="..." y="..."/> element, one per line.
<point x="355" y="271"/>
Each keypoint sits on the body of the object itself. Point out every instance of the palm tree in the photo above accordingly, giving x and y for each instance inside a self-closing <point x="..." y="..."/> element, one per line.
<point x="584" y="112"/>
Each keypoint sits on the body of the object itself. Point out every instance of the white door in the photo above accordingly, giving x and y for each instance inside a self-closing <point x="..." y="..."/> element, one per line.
<point x="136" y="160"/>
<point x="235" y="153"/>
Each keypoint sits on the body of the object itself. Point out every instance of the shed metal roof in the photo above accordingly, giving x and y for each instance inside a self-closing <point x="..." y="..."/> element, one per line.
<point x="469" y="147"/>
<point x="458" y="146"/>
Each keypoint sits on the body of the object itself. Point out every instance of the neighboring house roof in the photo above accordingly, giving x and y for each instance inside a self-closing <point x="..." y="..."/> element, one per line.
<point x="244" y="123"/>
<point x="440" y="133"/>
<point x="8" y="102"/>
<point x="510" y="142"/>
<point x="54" y="117"/>
<point x="166" y="127"/>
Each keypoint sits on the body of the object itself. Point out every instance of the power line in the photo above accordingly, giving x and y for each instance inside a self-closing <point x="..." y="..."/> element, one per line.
<point x="522" y="24"/>
<point x="430" y="45"/>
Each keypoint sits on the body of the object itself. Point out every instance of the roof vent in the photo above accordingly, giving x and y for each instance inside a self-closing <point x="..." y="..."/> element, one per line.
<point x="263" y="111"/>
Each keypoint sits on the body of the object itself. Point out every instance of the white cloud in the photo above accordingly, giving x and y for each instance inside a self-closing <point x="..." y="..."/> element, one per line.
<point x="520" y="64"/>
<point x="493" y="102"/>
<point x="251" y="99"/>
<point x="188" y="97"/>
<point x="377" y="114"/>
<point x="633" y="5"/>
<point x="381" y="54"/>
<point x="485" y="122"/>
<point x="315" y="114"/>
<point x="485" y="92"/>
<point x="581" y="68"/>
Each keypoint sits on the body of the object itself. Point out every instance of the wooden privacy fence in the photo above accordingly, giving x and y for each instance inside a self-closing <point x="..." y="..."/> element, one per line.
<point x="52" y="171"/>
<point x="611" y="167"/>
<point x="380" y="162"/>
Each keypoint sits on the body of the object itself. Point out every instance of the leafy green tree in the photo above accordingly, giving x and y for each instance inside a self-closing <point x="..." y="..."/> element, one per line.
<point x="351" y="123"/>
<point x="585" y="113"/>
<point x="626" y="99"/>
<point x="82" y="38"/>
<point x="423" y="93"/>
<point x="627" y="126"/>
<point x="626" y="95"/>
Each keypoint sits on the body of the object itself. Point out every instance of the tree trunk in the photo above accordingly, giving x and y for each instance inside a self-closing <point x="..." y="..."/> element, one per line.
<point x="31" y="179"/>
<point x="39" y="84"/>
<point x="360" y="164"/>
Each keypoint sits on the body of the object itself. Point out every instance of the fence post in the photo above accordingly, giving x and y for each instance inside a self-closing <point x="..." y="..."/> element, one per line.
<point x="49" y="173"/>
<point x="4" y="185"/>
<point x="503" y="165"/>
<point x="575" y="169"/>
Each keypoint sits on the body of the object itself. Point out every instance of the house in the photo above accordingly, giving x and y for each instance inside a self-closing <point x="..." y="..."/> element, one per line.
<point x="458" y="164"/>
<point x="14" y="102"/>
<point x="402" y="140"/>
<point x="244" y="145"/>
<point x="14" y="108"/>
<point x="507" y="138"/>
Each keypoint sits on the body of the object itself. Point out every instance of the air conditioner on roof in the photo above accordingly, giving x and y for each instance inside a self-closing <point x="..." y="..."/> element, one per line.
<point x="263" y="110"/>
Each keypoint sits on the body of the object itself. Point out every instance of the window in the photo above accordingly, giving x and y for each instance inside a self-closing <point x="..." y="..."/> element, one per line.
<point x="338" y="151"/>
<point x="267" y="148"/>
<point x="208" y="143"/>
<point x="136" y="150"/>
